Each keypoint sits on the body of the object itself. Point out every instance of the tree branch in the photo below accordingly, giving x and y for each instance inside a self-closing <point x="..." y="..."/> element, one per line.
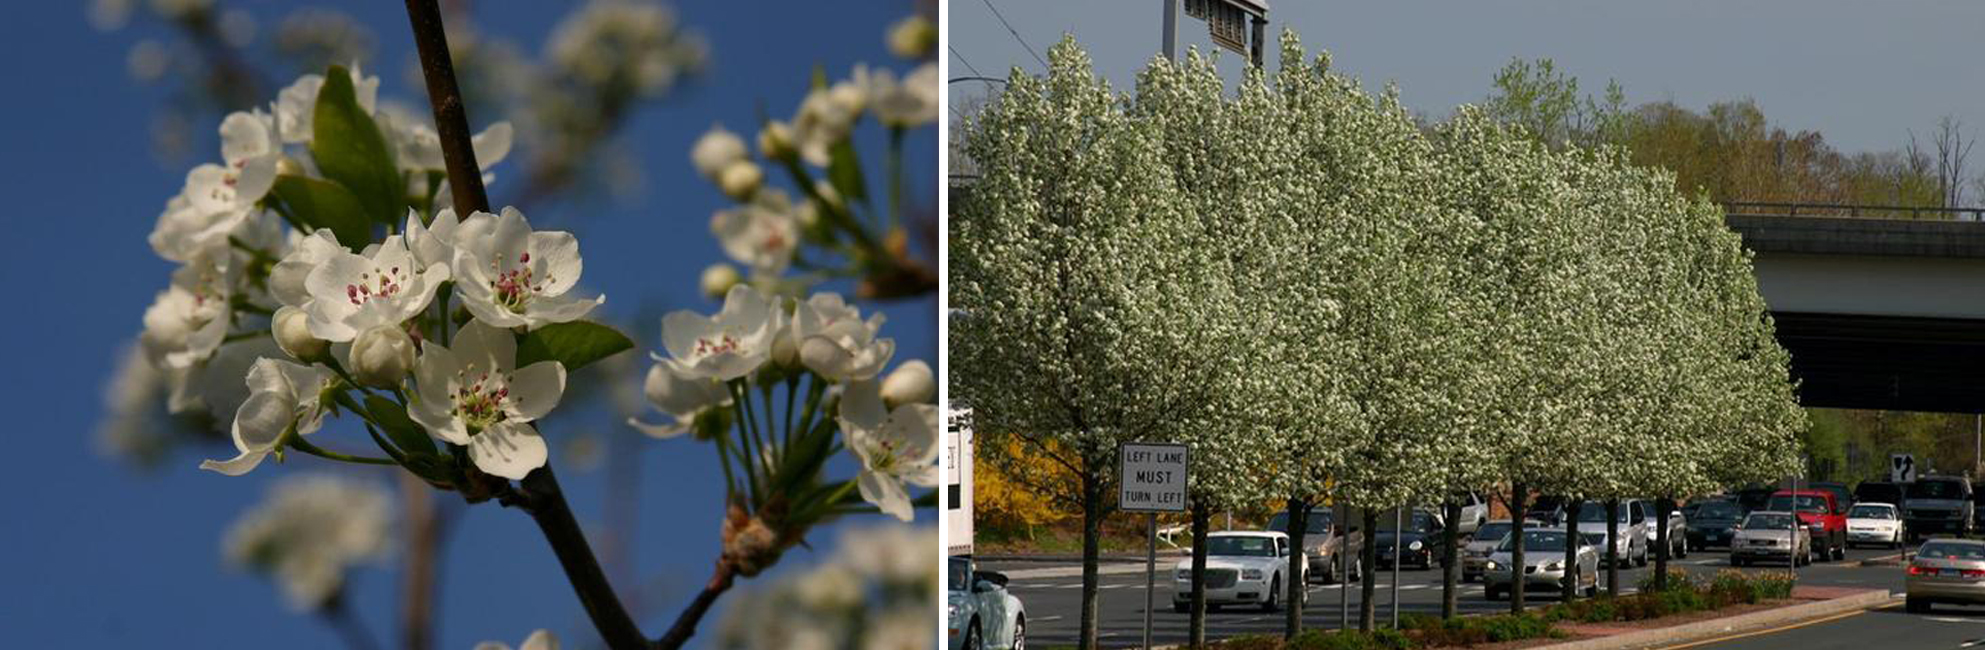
<point x="451" y="121"/>
<point x="685" y="623"/>
<point x="545" y="501"/>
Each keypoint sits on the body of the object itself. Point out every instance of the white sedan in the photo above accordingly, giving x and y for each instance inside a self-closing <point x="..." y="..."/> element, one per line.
<point x="1874" y="523"/>
<point x="983" y="614"/>
<point x="1242" y="568"/>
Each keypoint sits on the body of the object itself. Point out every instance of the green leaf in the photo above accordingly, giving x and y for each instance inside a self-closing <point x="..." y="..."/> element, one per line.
<point x="403" y="431"/>
<point x="324" y="204"/>
<point x="349" y="149"/>
<point x="573" y="344"/>
<point x="845" y="171"/>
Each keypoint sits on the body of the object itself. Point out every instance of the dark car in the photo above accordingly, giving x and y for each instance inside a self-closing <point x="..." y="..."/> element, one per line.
<point x="1713" y="523"/>
<point x="1822" y="515"/>
<point x="1936" y="504"/>
<point x="1549" y="509"/>
<point x="1841" y="495"/>
<point x="1753" y="498"/>
<point x="1879" y="492"/>
<point x="1419" y="541"/>
<point x="1323" y="541"/>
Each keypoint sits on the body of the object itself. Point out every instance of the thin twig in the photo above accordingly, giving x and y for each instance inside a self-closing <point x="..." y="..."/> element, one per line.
<point x="545" y="501"/>
<point x="685" y="624"/>
<point x="451" y="120"/>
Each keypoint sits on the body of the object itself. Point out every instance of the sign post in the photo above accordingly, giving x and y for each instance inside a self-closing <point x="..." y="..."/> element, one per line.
<point x="1151" y="479"/>
<point x="957" y="471"/>
<point x="1902" y="468"/>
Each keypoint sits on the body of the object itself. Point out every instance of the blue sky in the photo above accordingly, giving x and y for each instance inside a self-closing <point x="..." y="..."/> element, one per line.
<point x="97" y="555"/>
<point x="1861" y="73"/>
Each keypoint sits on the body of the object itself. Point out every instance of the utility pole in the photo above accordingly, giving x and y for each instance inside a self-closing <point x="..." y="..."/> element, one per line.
<point x="1170" y="37"/>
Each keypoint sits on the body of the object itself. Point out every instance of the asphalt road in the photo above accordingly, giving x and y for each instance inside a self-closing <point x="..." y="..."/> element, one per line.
<point x="1943" y="628"/>
<point x="1052" y="592"/>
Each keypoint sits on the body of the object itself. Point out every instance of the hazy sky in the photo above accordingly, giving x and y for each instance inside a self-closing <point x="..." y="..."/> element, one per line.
<point x="1862" y="73"/>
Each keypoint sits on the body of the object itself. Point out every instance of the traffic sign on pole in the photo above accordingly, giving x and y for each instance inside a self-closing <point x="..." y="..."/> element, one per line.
<point x="1151" y="479"/>
<point x="1902" y="468"/>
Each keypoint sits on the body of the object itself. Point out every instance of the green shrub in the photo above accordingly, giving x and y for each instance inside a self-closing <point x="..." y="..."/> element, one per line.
<point x="1380" y="639"/>
<point x="1249" y="642"/>
<point x="1678" y="580"/>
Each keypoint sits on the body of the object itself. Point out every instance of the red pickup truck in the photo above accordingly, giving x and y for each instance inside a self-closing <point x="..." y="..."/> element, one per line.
<point x="1822" y="514"/>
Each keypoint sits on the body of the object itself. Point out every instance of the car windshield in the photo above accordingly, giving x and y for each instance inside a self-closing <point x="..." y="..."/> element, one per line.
<point x="1317" y="523"/>
<point x="1936" y="490"/>
<point x="1493" y="530"/>
<point x="1542" y="541"/>
<point x="1597" y="512"/>
<point x="1547" y="503"/>
<point x="1952" y="551"/>
<point x="1770" y="521"/>
<point x="961" y="574"/>
<point x="1871" y="512"/>
<point x="1415" y="521"/>
<point x="1719" y="510"/>
<point x="1241" y="545"/>
<point x="1807" y="503"/>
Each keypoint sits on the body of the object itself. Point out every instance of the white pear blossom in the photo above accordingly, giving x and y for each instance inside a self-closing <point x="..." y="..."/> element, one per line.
<point x="835" y="342"/>
<point x="877" y="586"/>
<point x="717" y="279"/>
<point x="910" y="383"/>
<point x="741" y="179"/>
<point x="282" y="397"/>
<point x="726" y="346"/>
<point x="716" y="150"/>
<point x="189" y="319"/>
<point x="539" y="640"/>
<point x="911" y="103"/>
<point x="681" y="397"/>
<point x="382" y="356"/>
<point x="309" y="532"/>
<point x="351" y="293"/>
<point x="821" y="123"/>
<point x="291" y="327"/>
<point x="297" y="104"/>
<point x="306" y="253"/>
<point x="913" y="37"/>
<point x="762" y="234"/>
<point x="474" y="395"/>
<point x="418" y="146"/>
<point x="894" y="446"/>
<point x="775" y="140"/>
<point x="509" y="276"/>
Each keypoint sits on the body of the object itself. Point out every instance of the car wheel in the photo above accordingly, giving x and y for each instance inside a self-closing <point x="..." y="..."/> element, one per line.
<point x="1915" y="606"/>
<point x="1358" y="570"/>
<point x="972" y="639"/>
<point x="1642" y="560"/>
<point x="1494" y="593"/>
<point x="1020" y="633"/>
<point x="1274" y="601"/>
<point x="1840" y="551"/>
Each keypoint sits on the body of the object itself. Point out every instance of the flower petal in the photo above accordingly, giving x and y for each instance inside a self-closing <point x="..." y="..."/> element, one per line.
<point x="535" y="389"/>
<point x="555" y="261"/>
<point x="658" y="431"/>
<point x="478" y="343"/>
<point x="507" y="449"/>
<point x="886" y="493"/>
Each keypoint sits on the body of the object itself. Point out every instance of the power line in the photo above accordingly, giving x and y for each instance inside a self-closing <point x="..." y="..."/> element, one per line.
<point x="961" y="59"/>
<point x="1016" y="35"/>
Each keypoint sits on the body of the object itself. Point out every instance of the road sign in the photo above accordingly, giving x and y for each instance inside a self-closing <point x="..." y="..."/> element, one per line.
<point x="1151" y="476"/>
<point x="957" y="470"/>
<point x="1902" y="468"/>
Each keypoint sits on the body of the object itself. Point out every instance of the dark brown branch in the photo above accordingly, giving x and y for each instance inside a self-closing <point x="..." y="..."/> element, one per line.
<point x="451" y="121"/>
<point x="545" y="501"/>
<point x="685" y="623"/>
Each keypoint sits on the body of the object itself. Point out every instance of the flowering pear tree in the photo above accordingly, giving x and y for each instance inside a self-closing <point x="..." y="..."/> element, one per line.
<point x="340" y="264"/>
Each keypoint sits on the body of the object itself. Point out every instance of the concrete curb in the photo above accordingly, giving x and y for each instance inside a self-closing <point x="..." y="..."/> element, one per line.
<point x="1715" y="627"/>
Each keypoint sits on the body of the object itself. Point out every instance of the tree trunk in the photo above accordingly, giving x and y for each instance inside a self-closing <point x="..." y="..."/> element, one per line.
<point x="1368" y="589"/>
<point x="1196" y="628"/>
<point x="1292" y="619"/>
<point x="1571" y="552"/>
<point x="1613" y="548"/>
<point x="1661" y="509"/>
<point x="1092" y="534"/>
<point x="1517" y="496"/>
<point x="417" y="582"/>
<point x="1450" y="564"/>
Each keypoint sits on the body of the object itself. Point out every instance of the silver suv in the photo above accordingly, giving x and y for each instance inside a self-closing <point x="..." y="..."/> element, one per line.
<point x="1632" y="543"/>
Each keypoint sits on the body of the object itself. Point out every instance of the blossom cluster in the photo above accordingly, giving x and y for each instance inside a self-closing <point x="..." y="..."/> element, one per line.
<point x="309" y="532"/>
<point x="878" y="590"/>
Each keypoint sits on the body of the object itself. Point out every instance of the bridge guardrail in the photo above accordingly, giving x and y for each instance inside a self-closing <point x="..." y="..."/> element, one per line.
<point x="1852" y="211"/>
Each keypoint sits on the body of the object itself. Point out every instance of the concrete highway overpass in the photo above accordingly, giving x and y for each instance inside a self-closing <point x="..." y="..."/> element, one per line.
<point x="1877" y="313"/>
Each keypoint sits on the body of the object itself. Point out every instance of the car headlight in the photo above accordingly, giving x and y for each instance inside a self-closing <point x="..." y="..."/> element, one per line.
<point x="1555" y="566"/>
<point x="1251" y="574"/>
<point x="1416" y="545"/>
<point x="951" y="610"/>
<point x="1492" y="565"/>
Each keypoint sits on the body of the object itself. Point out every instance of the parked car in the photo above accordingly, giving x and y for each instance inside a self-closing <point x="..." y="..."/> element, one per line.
<point x="1548" y="509"/>
<point x="1475" y="555"/>
<point x="1879" y="492"/>
<point x="1874" y="523"/>
<point x="1773" y="536"/>
<point x="1325" y="542"/>
<point x="1977" y="512"/>
<point x="1936" y="504"/>
<point x="1242" y="568"/>
<point x="1945" y="571"/>
<point x="1544" y="568"/>
<point x="983" y="614"/>
<point x="1820" y="513"/>
<point x="1678" y="530"/>
<point x="1474" y="512"/>
<point x="1631" y="545"/>
<point x="1714" y="523"/>
<point x="1420" y="543"/>
<point x="1841" y="494"/>
<point x="1753" y="498"/>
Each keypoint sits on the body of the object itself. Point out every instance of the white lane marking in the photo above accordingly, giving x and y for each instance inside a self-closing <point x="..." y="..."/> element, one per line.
<point x="1047" y="619"/>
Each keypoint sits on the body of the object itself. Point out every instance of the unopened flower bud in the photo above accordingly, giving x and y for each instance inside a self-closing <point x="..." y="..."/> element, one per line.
<point x="741" y="179"/>
<point x="718" y="279"/>
<point x="292" y="331"/>
<point x="382" y="356"/>
<point x="911" y="383"/>
<point x="913" y="37"/>
<point x="828" y="193"/>
<point x="715" y="151"/>
<point x="785" y="351"/>
<point x="776" y="141"/>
